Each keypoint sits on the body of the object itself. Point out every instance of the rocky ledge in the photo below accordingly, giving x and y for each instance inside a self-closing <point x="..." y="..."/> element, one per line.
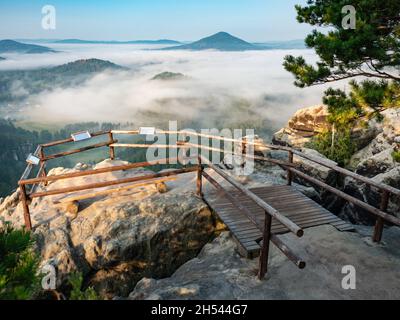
<point x="218" y="272"/>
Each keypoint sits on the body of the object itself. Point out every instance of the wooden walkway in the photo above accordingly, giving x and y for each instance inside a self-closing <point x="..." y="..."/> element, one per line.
<point x="287" y="200"/>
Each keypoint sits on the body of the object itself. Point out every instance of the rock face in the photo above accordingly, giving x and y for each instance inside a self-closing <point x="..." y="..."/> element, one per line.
<point x="116" y="240"/>
<point x="376" y="162"/>
<point x="220" y="273"/>
<point x="305" y="124"/>
<point x="314" y="169"/>
<point x="308" y="122"/>
<point x="376" y="143"/>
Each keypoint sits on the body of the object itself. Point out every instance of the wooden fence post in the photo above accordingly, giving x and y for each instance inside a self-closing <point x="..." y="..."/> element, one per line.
<point x="199" y="183"/>
<point x="244" y="152"/>
<point x="112" y="151"/>
<point x="378" y="230"/>
<point x="290" y="173"/>
<point x="25" y="207"/>
<point x="42" y="164"/>
<point x="263" y="262"/>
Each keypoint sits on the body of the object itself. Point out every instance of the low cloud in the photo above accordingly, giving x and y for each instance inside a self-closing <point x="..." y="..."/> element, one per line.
<point x="222" y="88"/>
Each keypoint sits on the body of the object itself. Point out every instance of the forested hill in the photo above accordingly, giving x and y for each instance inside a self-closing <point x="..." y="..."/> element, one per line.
<point x="37" y="80"/>
<point x="87" y="66"/>
<point x="11" y="46"/>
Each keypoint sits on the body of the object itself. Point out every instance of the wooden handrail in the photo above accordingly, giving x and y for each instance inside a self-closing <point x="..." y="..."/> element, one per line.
<point x="349" y="173"/>
<point x="300" y="263"/>
<point x="67" y="140"/>
<point x="261" y="203"/>
<point x="110" y="183"/>
<point x="384" y="188"/>
<point x="336" y="168"/>
<point x="95" y="171"/>
<point x="357" y="202"/>
<point x="70" y="152"/>
<point x="29" y="166"/>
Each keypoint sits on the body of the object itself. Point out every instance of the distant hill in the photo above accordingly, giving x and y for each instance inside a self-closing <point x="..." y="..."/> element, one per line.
<point x="221" y="41"/>
<point x="168" y="76"/>
<point x="84" y="66"/>
<point x="11" y="46"/>
<point x="17" y="85"/>
<point x="289" y="44"/>
<point x="150" y="42"/>
<point x="1" y="58"/>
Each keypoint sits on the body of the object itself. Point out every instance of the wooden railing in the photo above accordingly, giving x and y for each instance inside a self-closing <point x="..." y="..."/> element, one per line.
<point x="289" y="165"/>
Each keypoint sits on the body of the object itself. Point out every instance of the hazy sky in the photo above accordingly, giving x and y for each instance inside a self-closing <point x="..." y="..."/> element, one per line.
<point x="252" y="20"/>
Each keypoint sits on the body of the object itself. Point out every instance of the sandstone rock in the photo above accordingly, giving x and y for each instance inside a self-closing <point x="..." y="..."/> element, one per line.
<point x="305" y="124"/>
<point x="72" y="209"/>
<point x="376" y="146"/>
<point x="376" y="164"/>
<point x="220" y="273"/>
<point x="391" y="123"/>
<point x="371" y="196"/>
<point x="117" y="239"/>
<point x="161" y="187"/>
<point x="315" y="170"/>
<point x="308" y="122"/>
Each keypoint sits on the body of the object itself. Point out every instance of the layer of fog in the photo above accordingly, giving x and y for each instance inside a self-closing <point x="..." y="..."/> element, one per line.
<point x="222" y="88"/>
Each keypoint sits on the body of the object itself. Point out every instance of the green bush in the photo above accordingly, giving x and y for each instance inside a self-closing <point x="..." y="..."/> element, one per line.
<point x="18" y="265"/>
<point x="340" y="151"/>
<point x="396" y="156"/>
<point x="75" y="280"/>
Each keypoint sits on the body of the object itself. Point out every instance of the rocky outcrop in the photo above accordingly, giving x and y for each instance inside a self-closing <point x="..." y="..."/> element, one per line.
<point x="308" y="122"/>
<point x="374" y="159"/>
<point x="370" y="195"/>
<point x="116" y="240"/>
<point x="218" y="272"/>
<point x="316" y="170"/>
<point x="304" y="125"/>
<point x="376" y="162"/>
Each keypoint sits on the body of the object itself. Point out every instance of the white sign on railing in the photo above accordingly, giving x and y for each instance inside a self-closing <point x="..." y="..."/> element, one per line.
<point x="147" y="130"/>
<point x="33" y="159"/>
<point x="80" y="136"/>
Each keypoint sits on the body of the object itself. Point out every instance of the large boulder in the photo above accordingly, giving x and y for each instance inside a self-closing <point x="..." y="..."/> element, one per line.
<point x="371" y="196"/>
<point x="377" y="164"/>
<point x="377" y="145"/>
<point x="116" y="240"/>
<point x="304" y="125"/>
<point x="314" y="169"/>
<point x="308" y="122"/>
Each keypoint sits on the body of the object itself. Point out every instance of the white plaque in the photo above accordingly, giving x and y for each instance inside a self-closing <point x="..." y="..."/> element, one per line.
<point x="80" y="136"/>
<point x="33" y="159"/>
<point x="147" y="130"/>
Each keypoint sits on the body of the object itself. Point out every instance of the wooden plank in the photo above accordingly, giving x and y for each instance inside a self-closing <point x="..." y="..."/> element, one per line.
<point x="265" y="206"/>
<point x="290" y="202"/>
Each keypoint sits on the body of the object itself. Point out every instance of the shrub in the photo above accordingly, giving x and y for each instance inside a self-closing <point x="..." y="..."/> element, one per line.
<point x="339" y="151"/>
<point x="77" y="293"/>
<point x="18" y="264"/>
<point x="396" y="156"/>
